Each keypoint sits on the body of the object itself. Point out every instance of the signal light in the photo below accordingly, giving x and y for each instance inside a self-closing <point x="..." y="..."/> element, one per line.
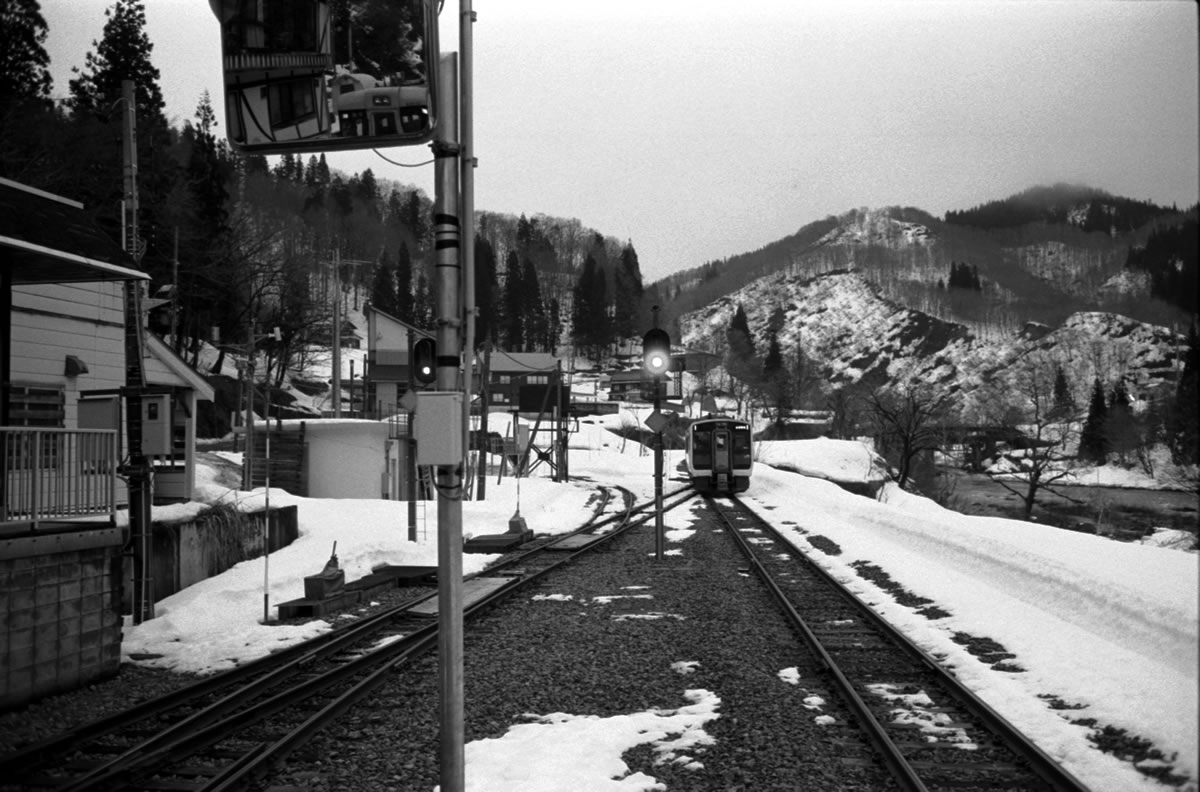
<point x="424" y="360"/>
<point x="656" y="351"/>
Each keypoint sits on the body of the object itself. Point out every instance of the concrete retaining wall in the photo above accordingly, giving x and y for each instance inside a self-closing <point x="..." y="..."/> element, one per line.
<point x="188" y="552"/>
<point x="60" y="620"/>
<point x="60" y="613"/>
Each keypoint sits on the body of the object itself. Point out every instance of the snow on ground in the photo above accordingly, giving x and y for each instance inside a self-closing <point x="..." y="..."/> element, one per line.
<point x="1109" y="627"/>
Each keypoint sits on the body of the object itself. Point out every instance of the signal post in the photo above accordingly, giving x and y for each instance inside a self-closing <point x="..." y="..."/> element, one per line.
<point x="406" y="109"/>
<point x="656" y="358"/>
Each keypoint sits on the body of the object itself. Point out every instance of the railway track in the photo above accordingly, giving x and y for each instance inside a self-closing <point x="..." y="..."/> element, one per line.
<point x="912" y="715"/>
<point x="230" y="730"/>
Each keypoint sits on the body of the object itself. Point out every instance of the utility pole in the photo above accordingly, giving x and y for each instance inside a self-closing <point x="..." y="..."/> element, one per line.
<point x="337" y="333"/>
<point x="448" y="268"/>
<point x="137" y="470"/>
<point x="466" y="157"/>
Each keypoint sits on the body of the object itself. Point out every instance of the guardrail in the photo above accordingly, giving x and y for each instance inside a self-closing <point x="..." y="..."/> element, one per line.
<point x="56" y="474"/>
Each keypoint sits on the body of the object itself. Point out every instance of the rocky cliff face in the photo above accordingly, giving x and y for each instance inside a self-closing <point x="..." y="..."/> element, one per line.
<point x="843" y="322"/>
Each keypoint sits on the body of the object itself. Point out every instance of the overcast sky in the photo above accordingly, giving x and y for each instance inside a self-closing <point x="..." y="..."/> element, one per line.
<point x="705" y="128"/>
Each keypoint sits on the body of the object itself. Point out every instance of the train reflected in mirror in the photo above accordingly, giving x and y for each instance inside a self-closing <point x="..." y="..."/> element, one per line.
<point x="327" y="75"/>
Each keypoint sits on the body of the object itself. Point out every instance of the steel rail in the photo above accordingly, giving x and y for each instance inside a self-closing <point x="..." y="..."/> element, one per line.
<point x="262" y="673"/>
<point x="899" y="767"/>
<point x="257" y="767"/>
<point x="35" y="755"/>
<point x="1040" y="763"/>
<point x="214" y="722"/>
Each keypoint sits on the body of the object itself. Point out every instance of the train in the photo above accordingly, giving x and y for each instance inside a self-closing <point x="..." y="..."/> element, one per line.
<point x="720" y="455"/>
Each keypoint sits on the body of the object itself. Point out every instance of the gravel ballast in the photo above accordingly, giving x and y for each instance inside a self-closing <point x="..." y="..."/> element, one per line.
<point x="601" y="637"/>
<point x="608" y="650"/>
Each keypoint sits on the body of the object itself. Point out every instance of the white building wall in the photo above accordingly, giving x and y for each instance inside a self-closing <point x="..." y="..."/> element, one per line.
<point x="51" y="321"/>
<point x="344" y="458"/>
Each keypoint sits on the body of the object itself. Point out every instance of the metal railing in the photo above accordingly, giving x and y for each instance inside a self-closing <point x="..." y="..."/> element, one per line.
<point x="56" y="474"/>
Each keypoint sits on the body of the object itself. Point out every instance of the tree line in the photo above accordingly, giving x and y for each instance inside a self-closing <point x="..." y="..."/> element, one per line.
<point x="1021" y="424"/>
<point x="245" y="245"/>
<point x="1088" y="208"/>
<point x="1170" y="258"/>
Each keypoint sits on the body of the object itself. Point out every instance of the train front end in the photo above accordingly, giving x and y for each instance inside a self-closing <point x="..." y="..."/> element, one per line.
<point x="720" y="456"/>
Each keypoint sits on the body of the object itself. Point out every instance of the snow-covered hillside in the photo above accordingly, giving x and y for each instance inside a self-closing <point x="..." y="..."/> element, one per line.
<point x="841" y="321"/>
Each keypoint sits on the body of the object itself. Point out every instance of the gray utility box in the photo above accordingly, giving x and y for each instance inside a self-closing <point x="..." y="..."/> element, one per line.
<point x="438" y="427"/>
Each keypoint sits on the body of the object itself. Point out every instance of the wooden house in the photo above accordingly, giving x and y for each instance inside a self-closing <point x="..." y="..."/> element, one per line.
<point x="62" y="371"/>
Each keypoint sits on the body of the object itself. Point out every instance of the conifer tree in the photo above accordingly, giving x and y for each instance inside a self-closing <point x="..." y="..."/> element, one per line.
<point x="423" y="308"/>
<point x="589" y="319"/>
<point x="485" y="290"/>
<point x="775" y="378"/>
<point x="1093" y="444"/>
<point x="1119" y="429"/>
<point x="24" y="63"/>
<point x="555" y="326"/>
<point x="741" y="326"/>
<point x="122" y="53"/>
<point x="741" y="359"/>
<point x="383" y="288"/>
<point x="514" y="303"/>
<point x="212" y="282"/>
<point x="1184" y="422"/>
<point x="627" y="293"/>
<point x="1064" y="402"/>
<point x="404" y="290"/>
<point x="536" y="330"/>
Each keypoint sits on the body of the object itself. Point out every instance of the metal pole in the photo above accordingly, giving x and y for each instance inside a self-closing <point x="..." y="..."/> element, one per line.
<point x="137" y="472"/>
<point x="447" y="243"/>
<point x="560" y="434"/>
<point x="485" y="449"/>
<point x="466" y="155"/>
<point x="337" y="333"/>
<point x="659" y="535"/>
<point x="267" y="527"/>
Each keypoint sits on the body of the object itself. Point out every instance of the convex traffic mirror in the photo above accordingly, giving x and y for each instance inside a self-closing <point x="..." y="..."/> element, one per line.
<point x="328" y="75"/>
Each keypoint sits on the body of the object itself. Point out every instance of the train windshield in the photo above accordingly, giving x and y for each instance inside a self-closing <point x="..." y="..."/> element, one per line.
<point x="741" y="447"/>
<point x="702" y="448"/>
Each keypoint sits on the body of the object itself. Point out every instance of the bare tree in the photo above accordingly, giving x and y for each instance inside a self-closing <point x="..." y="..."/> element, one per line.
<point x="908" y="422"/>
<point x="1023" y="405"/>
<point x="847" y="409"/>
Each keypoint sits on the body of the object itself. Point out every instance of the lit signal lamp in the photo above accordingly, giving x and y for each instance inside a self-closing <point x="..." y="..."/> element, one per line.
<point x="424" y="360"/>
<point x="656" y="351"/>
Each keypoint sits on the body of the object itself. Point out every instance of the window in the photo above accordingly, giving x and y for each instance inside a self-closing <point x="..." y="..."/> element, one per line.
<point x="291" y="26"/>
<point x="33" y="405"/>
<point x="742" y="455"/>
<point x="291" y="101"/>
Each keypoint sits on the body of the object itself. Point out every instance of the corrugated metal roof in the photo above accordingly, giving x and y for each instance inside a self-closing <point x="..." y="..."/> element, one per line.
<point x="45" y="238"/>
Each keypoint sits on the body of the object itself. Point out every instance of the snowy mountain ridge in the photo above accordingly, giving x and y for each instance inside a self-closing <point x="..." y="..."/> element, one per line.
<point x="843" y="322"/>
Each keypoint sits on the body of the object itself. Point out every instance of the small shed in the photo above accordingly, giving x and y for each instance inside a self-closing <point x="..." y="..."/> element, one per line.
<point x="509" y="372"/>
<point x="387" y="374"/>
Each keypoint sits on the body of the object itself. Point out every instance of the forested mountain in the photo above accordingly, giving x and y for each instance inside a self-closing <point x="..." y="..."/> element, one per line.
<point x="1087" y="208"/>
<point x="1038" y="256"/>
<point x="238" y="244"/>
<point x="256" y="244"/>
